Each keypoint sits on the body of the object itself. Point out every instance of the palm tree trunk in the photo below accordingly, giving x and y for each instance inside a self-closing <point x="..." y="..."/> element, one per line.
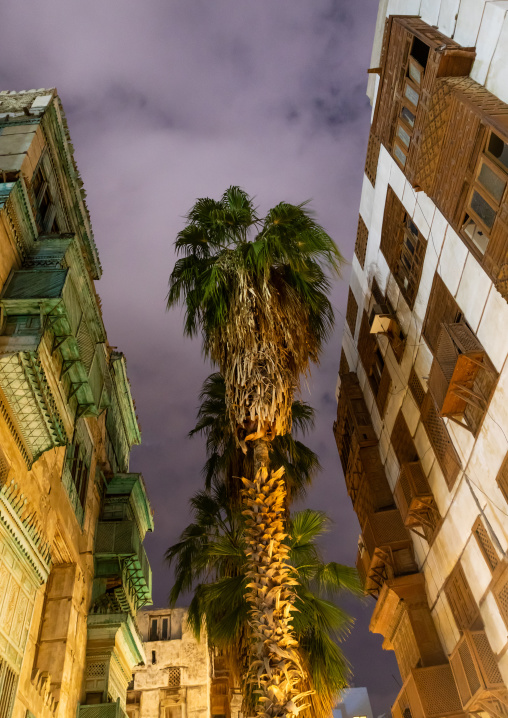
<point x="274" y="668"/>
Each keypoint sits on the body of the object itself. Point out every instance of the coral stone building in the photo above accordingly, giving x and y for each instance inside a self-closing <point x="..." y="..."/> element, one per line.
<point x="73" y="571"/>
<point x="176" y="680"/>
<point x="422" y="423"/>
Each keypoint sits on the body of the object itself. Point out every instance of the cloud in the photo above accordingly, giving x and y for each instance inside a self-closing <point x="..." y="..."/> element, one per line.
<point x="170" y="100"/>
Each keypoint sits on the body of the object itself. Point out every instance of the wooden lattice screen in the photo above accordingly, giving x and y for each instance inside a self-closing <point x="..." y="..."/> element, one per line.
<point x="351" y="312"/>
<point x="366" y="344"/>
<point x="371" y="161"/>
<point x="391" y="233"/>
<point x="442" y="308"/>
<point x="440" y="441"/>
<point x="502" y="478"/>
<point x="402" y="441"/>
<point x="384" y="390"/>
<point x="378" y="295"/>
<point x="462" y="603"/>
<point x="416" y="388"/>
<point x="485" y="543"/>
<point x="362" y="236"/>
<point x="500" y="592"/>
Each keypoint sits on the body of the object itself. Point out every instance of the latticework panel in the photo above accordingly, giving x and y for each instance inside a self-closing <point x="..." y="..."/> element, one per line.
<point x="501" y="596"/>
<point x="372" y="158"/>
<point x="405" y="647"/>
<point x="416" y="388"/>
<point x="475" y="668"/>
<point x="440" y="440"/>
<point x="8" y="681"/>
<point x="86" y="344"/>
<point x="462" y="603"/>
<point x="432" y="137"/>
<point x="362" y="236"/>
<point x="392" y="230"/>
<point x="442" y="308"/>
<point x="485" y="543"/>
<point x="437" y="691"/>
<point x="174" y="677"/>
<point x="384" y="528"/>
<point x="351" y="312"/>
<point x="487" y="659"/>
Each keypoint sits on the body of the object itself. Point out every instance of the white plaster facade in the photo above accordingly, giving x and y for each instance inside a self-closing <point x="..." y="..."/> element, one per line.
<point x="176" y="680"/>
<point x="475" y="493"/>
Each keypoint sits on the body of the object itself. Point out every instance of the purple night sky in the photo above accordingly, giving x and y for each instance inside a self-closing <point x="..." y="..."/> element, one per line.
<point x="170" y="100"/>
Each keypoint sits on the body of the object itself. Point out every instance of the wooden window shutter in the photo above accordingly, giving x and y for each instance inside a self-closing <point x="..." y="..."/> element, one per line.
<point x="391" y="233"/>
<point x="440" y="441"/>
<point x="416" y="388"/>
<point x="502" y="478"/>
<point x="464" y="608"/>
<point x="371" y="161"/>
<point x="442" y="308"/>
<point x="384" y="390"/>
<point x="402" y="441"/>
<point x="351" y="312"/>
<point x="362" y="236"/>
<point x="366" y="344"/>
<point x="485" y="543"/>
<point x="500" y="592"/>
<point x="343" y="366"/>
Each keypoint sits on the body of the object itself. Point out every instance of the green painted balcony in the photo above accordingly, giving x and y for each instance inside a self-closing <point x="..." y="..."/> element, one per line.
<point x="53" y="360"/>
<point x="119" y="553"/>
<point x="102" y="710"/>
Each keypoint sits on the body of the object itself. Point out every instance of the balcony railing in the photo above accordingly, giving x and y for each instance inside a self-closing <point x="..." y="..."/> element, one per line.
<point x="477" y="675"/>
<point x="428" y="692"/>
<point x="120" y="539"/>
<point x="415" y="500"/>
<point x="385" y="550"/>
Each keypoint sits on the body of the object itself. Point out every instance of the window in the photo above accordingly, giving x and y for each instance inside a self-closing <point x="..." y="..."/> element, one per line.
<point x="154" y="657"/>
<point x="403" y="247"/>
<point x="45" y="207"/>
<point x="165" y="627"/>
<point x="174" y="677"/>
<point x="351" y="312"/>
<point x="374" y="364"/>
<point x="78" y="465"/>
<point x="410" y="264"/>
<point x="487" y="192"/>
<point x="442" y="308"/>
<point x="413" y="73"/>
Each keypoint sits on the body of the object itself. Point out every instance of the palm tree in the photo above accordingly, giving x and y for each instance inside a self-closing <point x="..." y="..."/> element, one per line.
<point x="211" y="560"/>
<point x="257" y="291"/>
<point x="226" y="463"/>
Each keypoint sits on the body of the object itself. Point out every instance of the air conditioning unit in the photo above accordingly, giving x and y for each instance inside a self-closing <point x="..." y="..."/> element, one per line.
<point x="383" y="321"/>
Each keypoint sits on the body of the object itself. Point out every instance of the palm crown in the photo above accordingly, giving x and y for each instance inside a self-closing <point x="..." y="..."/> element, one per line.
<point x="258" y="291"/>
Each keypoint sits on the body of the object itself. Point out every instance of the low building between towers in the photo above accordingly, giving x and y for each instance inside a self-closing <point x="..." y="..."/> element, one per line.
<point x="422" y="419"/>
<point x="73" y="570"/>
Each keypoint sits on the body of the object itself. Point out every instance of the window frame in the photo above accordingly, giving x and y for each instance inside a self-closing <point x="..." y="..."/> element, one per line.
<point x="420" y="69"/>
<point x="484" y="157"/>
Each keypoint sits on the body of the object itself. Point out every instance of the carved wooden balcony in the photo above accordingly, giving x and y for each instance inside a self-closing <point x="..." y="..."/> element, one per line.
<point x="428" y="692"/>
<point x="120" y="557"/>
<point x="353" y="426"/>
<point x="415" y="500"/>
<point x="366" y="481"/>
<point x="385" y="550"/>
<point x="477" y="675"/>
<point x="53" y="362"/>
<point x="461" y="376"/>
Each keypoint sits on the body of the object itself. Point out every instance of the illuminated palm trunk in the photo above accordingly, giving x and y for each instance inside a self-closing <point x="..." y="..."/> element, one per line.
<point x="274" y="669"/>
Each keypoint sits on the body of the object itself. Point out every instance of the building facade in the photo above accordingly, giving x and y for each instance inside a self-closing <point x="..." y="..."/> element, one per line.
<point x="422" y="422"/>
<point x="176" y="680"/>
<point x="354" y="703"/>
<point x="73" y="571"/>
